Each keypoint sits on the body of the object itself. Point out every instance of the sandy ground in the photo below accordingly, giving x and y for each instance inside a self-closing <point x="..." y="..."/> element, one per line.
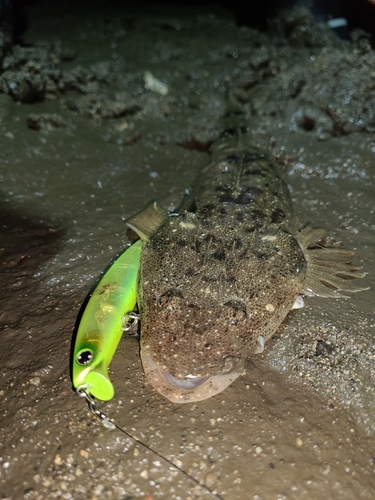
<point x="83" y="146"/>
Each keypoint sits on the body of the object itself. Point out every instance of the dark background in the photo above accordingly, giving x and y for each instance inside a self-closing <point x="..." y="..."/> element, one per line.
<point x="359" y="13"/>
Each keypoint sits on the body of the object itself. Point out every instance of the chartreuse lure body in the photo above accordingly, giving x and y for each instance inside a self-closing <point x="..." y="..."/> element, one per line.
<point x="106" y="315"/>
<point x="103" y="322"/>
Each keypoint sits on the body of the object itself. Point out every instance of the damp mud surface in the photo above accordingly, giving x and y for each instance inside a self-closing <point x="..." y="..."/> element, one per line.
<point x="87" y="139"/>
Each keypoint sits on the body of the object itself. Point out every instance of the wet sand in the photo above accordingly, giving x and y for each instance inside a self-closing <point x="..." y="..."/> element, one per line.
<point x="83" y="146"/>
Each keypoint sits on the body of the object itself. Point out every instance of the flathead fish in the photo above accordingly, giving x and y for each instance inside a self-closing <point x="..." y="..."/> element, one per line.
<point x="217" y="279"/>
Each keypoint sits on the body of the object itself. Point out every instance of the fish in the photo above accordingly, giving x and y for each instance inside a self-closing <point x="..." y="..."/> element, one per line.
<point x="218" y="278"/>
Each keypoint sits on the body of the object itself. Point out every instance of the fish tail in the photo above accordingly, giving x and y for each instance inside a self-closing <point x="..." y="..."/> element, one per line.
<point x="234" y="120"/>
<point x="233" y="126"/>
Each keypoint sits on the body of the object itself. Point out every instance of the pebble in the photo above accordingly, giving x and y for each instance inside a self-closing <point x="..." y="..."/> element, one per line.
<point x="98" y="490"/>
<point x="35" y="381"/>
<point x="258" y="450"/>
<point x="327" y="470"/>
<point x="152" y="83"/>
<point x="299" y="441"/>
<point x="144" y="474"/>
<point x="210" y="477"/>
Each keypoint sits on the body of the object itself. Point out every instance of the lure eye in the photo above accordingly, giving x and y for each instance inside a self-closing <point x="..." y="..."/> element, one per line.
<point x="85" y="357"/>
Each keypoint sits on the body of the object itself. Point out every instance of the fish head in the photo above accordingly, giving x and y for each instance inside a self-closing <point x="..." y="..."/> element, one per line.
<point x="210" y="301"/>
<point x="191" y="351"/>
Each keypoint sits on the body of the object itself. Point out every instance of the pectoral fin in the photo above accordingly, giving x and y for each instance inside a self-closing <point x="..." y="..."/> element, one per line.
<point x="329" y="270"/>
<point x="147" y="222"/>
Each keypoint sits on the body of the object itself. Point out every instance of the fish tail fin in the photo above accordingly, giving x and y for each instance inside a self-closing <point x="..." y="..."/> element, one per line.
<point x="330" y="272"/>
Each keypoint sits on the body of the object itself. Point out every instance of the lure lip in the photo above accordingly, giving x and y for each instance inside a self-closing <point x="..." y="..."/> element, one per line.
<point x="188" y="390"/>
<point x="96" y="381"/>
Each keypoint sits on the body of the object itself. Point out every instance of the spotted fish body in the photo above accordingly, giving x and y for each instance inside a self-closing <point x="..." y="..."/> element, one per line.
<point x="216" y="281"/>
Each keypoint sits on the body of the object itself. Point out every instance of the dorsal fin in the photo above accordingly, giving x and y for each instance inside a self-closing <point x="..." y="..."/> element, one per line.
<point x="147" y="222"/>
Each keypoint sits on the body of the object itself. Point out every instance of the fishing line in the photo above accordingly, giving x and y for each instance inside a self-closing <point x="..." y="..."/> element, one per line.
<point x="108" y="424"/>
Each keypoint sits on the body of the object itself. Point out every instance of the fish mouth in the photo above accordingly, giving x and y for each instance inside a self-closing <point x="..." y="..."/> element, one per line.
<point x="187" y="390"/>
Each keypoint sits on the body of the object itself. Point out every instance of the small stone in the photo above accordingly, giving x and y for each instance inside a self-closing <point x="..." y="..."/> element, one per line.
<point x="258" y="450"/>
<point x="34" y="381"/>
<point x="153" y="84"/>
<point x="84" y="453"/>
<point x="144" y="474"/>
<point x="327" y="470"/>
<point x="98" y="490"/>
<point x="210" y="478"/>
<point x="299" y="441"/>
<point x="57" y="460"/>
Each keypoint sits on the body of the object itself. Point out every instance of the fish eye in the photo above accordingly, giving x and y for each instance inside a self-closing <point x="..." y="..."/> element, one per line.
<point x="169" y="298"/>
<point x="85" y="357"/>
<point x="235" y="311"/>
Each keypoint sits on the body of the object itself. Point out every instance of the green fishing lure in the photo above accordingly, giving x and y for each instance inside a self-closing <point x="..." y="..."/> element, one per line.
<point x="104" y="319"/>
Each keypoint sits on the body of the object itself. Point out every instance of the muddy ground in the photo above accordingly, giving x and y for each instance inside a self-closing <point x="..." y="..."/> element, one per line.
<point x="83" y="146"/>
